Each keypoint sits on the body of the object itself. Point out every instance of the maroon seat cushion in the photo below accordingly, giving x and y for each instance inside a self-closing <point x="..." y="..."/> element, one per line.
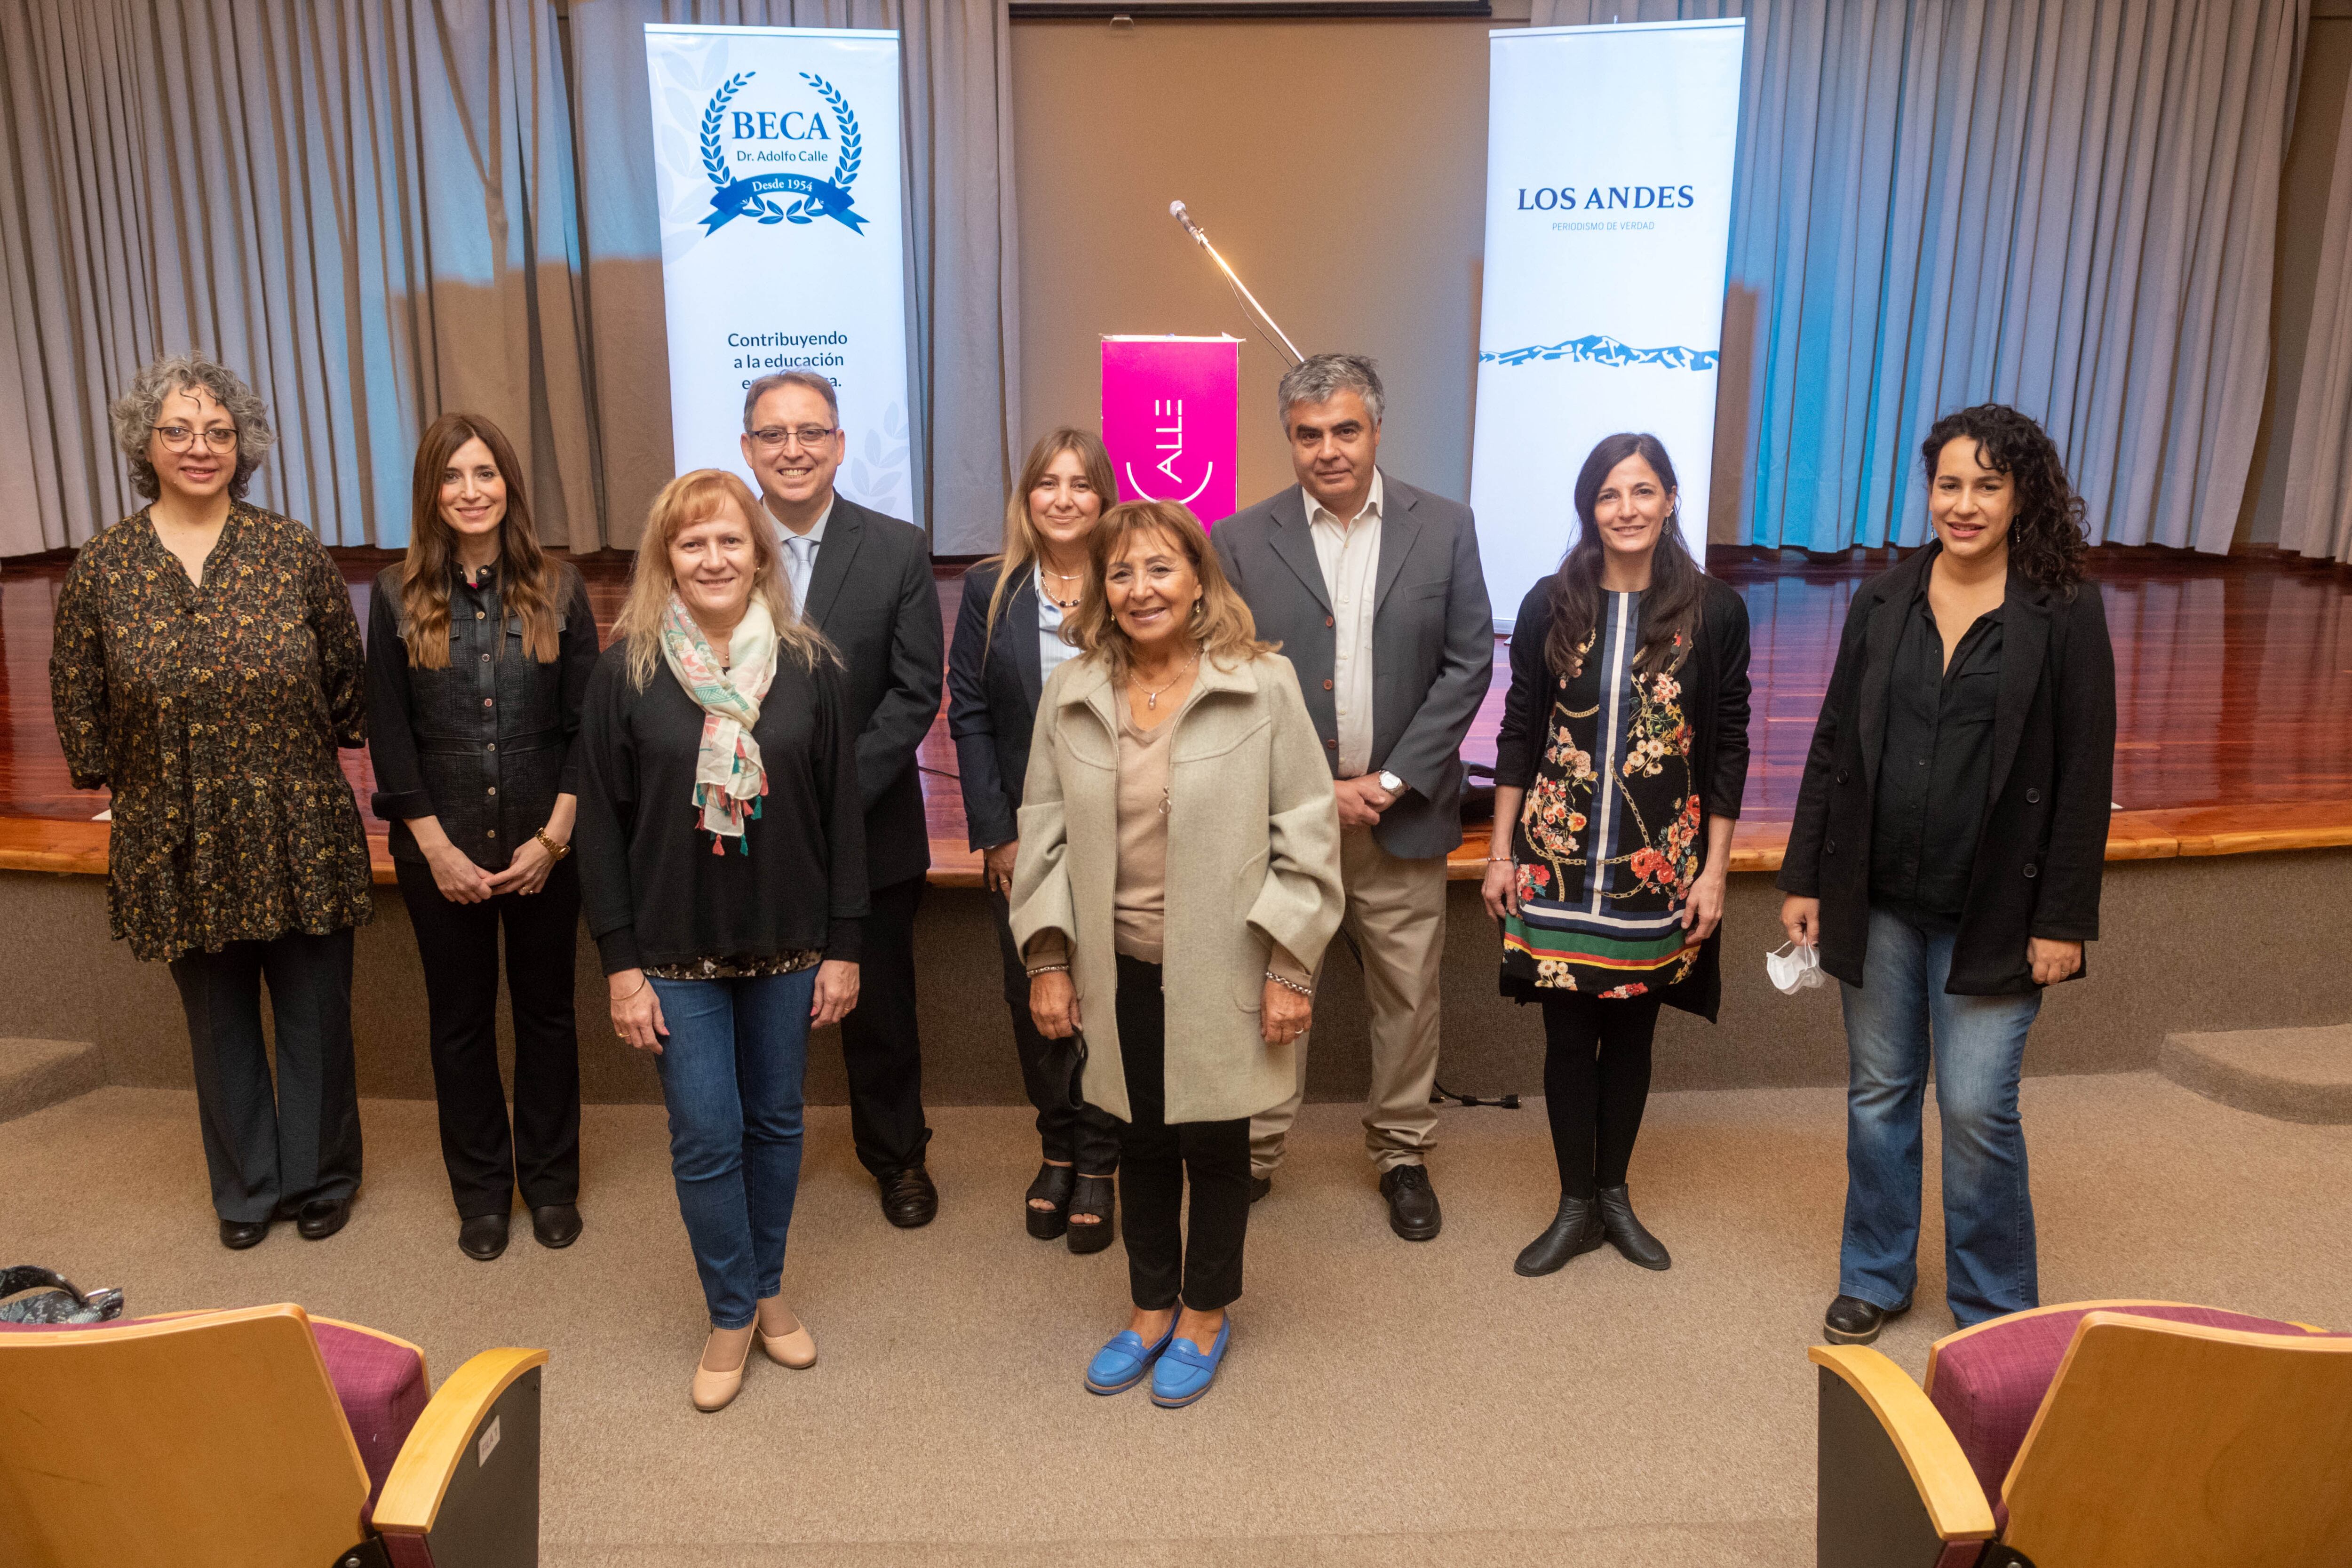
<point x="1988" y="1386"/>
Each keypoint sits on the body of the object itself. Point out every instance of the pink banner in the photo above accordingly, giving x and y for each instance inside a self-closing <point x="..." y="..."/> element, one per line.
<point x="1171" y="416"/>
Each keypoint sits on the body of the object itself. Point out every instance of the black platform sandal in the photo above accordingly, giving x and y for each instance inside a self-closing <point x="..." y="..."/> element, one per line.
<point x="1096" y="1195"/>
<point x="1053" y="1185"/>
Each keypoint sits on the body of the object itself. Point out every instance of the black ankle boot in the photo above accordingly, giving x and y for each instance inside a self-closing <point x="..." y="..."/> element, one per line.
<point x="1625" y="1233"/>
<point x="1576" y="1228"/>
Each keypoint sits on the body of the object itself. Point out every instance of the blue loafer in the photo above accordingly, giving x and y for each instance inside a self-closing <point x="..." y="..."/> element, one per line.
<point x="1125" y="1361"/>
<point x="1183" y="1373"/>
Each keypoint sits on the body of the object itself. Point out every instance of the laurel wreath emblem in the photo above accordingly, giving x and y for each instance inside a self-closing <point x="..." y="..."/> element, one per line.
<point x="767" y="209"/>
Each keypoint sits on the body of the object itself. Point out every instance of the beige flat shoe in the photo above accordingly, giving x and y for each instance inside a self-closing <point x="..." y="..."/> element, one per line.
<point x="796" y="1350"/>
<point x="717" y="1389"/>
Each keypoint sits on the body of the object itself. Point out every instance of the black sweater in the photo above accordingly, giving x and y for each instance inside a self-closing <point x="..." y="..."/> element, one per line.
<point x="653" y="891"/>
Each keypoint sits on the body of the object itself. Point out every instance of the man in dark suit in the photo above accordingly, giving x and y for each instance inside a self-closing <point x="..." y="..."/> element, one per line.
<point x="865" y="580"/>
<point x="1374" y="590"/>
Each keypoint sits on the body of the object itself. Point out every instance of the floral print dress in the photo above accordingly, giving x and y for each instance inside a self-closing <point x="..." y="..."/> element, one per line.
<point x="1608" y="843"/>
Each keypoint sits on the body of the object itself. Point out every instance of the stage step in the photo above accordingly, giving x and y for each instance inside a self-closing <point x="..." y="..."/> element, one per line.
<point x="2288" y="1075"/>
<point x="35" y="1074"/>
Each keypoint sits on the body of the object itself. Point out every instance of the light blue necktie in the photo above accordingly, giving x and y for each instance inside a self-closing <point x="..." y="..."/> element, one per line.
<point x="800" y="551"/>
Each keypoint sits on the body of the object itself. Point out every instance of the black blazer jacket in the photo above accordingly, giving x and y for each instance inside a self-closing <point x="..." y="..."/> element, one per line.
<point x="993" y="687"/>
<point x="871" y="594"/>
<point x="2042" y="849"/>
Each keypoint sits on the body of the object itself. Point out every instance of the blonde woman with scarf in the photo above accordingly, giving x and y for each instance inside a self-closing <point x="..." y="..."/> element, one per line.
<point x="723" y="854"/>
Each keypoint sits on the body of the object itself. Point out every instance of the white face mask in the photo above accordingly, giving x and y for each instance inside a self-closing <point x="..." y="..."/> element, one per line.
<point x="1793" y="971"/>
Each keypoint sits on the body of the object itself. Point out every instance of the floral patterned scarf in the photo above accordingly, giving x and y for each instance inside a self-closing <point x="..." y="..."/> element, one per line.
<point x="729" y="783"/>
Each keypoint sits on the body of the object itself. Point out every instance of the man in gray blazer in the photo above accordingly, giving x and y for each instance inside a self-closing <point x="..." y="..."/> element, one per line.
<point x="1373" y="589"/>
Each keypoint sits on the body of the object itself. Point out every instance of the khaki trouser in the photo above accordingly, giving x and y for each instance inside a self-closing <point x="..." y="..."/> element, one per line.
<point x="1396" y="913"/>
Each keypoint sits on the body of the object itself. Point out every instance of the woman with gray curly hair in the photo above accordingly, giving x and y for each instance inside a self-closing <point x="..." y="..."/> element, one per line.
<point x="207" y="668"/>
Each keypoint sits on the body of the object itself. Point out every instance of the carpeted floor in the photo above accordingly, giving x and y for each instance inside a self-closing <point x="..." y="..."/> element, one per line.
<point x="1382" y="1400"/>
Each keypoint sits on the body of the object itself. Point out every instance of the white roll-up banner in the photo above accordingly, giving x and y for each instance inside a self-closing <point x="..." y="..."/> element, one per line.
<point x="1608" y="166"/>
<point x="776" y="159"/>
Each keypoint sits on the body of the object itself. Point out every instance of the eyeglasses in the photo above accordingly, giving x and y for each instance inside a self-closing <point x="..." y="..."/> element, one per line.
<point x="809" y="437"/>
<point x="180" y="438"/>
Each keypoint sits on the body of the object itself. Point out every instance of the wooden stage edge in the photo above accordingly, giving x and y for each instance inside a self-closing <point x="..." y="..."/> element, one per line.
<point x="78" y="849"/>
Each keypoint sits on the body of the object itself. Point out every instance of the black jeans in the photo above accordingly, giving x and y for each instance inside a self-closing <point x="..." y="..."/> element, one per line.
<point x="458" y="944"/>
<point x="879" y="1044"/>
<point x="1088" y="1136"/>
<point x="271" y="1148"/>
<point x="1596" y="1082"/>
<point x="1155" y="1159"/>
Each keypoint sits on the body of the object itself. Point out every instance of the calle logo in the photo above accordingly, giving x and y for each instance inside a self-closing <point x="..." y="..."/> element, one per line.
<point x="763" y="196"/>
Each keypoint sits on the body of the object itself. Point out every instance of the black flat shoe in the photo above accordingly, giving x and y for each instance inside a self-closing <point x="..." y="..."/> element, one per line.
<point x="556" y="1224"/>
<point x="1851" y="1321"/>
<point x="1625" y="1233"/>
<point x="1575" y="1229"/>
<point x="1413" y="1202"/>
<point x="1096" y="1195"/>
<point x="322" y="1217"/>
<point x="1260" y="1186"/>
<point x="909" y="1199"/>
<point x="1053" y="1185"/>
<point x="236" y="1235"/>
<point x="483" y="1236"/>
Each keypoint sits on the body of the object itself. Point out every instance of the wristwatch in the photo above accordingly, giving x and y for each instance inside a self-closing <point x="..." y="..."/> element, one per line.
<point x="1390" y="783"/>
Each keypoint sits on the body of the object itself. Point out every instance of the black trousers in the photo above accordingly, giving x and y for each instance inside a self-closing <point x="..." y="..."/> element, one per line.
<point x="1087" y="1137"/>
<point x="1155" y="1159"/>
<point x="1596" y="1083"/>
<point x="488" y="1156"/>
<point x="271" y="1148"/>
<point x="880" y="1043"/>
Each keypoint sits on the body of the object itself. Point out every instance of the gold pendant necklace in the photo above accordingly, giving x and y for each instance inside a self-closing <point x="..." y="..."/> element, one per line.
<point x="1152" y="697"/>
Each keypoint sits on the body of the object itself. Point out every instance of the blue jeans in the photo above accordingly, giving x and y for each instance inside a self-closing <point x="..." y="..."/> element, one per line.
<point x="731" y="1071"/>
<point x="1895" y="1021"/>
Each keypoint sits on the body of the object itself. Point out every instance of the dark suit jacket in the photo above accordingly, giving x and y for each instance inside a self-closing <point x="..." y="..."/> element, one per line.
<point x="1432" y="642"/>
<point x="871" y="594"/>
<point x="2043" y="846"/>
<point x="993" y="687"/>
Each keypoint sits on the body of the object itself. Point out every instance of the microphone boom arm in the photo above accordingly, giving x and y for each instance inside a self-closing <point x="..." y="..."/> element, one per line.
<point x="1176" y="210"/>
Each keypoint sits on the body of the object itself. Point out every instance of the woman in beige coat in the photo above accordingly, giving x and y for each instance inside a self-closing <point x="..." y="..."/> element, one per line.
<point x="1178" y="877"/>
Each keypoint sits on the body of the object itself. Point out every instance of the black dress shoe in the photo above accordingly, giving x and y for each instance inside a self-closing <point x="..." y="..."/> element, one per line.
<point x="556" y="1224"/>
<point x="483" y="1236"/>
<point x="909" y="1199"/>
<point x="1851" y="1321"/>
<point x="1625" y="1233"/>
<point x="1412" y="1202"/>
<point x="236" y="1235"/>
<point x="1260" y="1186"/>
<point x="322" y="1217"/>
<point x="1576" y="1228"/>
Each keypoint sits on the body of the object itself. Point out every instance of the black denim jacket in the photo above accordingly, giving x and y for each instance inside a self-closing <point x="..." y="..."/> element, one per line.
<point x="485" y="743"/>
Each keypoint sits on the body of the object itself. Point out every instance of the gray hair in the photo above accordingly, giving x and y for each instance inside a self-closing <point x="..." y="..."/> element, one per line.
<point x="1325" y="376"/>
<point x="135" y="412"/>
<point x="820" y="386"/>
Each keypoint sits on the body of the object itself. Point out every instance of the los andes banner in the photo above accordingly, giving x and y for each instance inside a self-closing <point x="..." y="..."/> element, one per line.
<point x="1171" y="419"/>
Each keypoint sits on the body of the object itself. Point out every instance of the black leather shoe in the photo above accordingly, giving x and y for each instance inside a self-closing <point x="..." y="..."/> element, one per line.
<point x="1851" y="1321"/>
<point x="483" y="1236"/>
<point x="1412" y="1202"/>
<point x="1260" y="1186"/>
<point x="1575" y="1228"/>
<point x="236" y="1235"/>
<point x="909" y="1199"/>
<point x="1625" y="1233"/>
<point x="556" y="1224"/>
<point x="322" y="1217"/>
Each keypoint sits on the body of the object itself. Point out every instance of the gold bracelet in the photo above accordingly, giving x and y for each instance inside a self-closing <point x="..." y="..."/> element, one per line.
<point x="555" y="851"/>
<point x="644" y="980"/>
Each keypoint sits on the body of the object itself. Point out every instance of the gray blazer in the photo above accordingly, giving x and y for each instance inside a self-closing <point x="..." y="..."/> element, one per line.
<point x="1432" y="642"/>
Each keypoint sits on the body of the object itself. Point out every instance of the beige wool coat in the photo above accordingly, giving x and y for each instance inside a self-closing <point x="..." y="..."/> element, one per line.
<point x="1253" y="861"/>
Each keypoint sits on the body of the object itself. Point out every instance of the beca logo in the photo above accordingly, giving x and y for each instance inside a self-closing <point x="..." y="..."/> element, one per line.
<point x="763" y="139"/>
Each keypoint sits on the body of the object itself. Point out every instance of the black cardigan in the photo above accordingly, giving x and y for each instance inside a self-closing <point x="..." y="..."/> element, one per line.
<point x="992" y="690"/>
<point x="1714" y="681"/>
<point x="2042" y="849"/>
<point x="653" y="891"/>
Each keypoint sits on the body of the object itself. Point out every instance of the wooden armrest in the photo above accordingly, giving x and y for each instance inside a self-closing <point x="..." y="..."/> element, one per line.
<point x="471" y="1462"/>
<point x="1872" y="1416"/>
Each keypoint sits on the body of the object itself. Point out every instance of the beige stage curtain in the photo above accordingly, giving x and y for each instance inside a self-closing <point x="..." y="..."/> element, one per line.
<point x="2316" y="518"/>
<point x="363" y="206"/>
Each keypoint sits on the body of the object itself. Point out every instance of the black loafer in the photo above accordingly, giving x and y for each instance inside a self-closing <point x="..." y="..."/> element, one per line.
<point x="1260" y="1186"/>
<point x="909" y="1199"/>
<point x="1851" y="1321"/>
<point x="483" y="1236"/>
<point x="236" y="1235"/>
<point x="1412" y="1202"/>
<point x="556" y="1224"/>
<point x="1576" y="1228"/>
<point x="1627" y="1234"/>
<point x="322" y="1217"/>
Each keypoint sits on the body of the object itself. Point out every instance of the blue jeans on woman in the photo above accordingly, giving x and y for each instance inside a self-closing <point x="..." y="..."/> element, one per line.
<point x="1897" y="1021"/>
<point x="730" y="1070"/>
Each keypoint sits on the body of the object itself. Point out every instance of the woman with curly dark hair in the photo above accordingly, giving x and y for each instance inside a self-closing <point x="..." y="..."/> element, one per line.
<point x="1946" y="857"/>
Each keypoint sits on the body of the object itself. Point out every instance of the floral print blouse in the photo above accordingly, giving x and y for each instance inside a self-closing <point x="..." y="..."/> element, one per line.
<point x="214" y="714"/>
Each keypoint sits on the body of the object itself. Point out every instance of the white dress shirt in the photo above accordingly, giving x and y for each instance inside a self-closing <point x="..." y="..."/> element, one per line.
<point x="799" y="556"/>
<point x="1051" y="649"/>
<point x="1349" y="550"/>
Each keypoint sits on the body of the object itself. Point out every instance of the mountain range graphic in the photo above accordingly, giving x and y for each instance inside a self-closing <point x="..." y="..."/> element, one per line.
<point x="1598" y="348"/>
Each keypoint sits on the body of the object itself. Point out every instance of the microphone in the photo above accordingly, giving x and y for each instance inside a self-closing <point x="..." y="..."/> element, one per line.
<point x="1176" y="210"/>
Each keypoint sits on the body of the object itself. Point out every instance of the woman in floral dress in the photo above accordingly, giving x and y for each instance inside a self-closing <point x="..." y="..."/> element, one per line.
<point x="1618" y="771"/>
